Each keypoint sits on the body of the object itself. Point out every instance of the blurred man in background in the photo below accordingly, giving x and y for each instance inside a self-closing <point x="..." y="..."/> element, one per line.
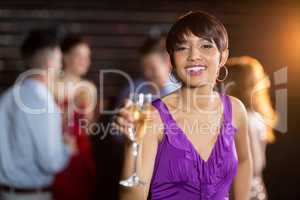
<point x="156" y="68"/>
<point x="32" y="149"/>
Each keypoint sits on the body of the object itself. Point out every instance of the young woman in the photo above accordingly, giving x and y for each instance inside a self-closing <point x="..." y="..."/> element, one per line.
<point x="248" y="82"/>
<point x="76" y="98"/>
<point x="196" y="142"/>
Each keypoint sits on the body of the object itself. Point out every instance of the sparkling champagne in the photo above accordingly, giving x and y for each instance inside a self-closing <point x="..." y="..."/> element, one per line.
<point x="140" y="118"/>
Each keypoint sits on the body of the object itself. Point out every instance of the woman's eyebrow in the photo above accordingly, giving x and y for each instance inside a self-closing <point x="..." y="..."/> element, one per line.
<point x="205" y="40"/>
<point x="183" y="42"/>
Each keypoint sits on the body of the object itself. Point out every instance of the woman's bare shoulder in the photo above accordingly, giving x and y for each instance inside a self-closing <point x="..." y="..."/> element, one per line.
<point x="237" y="105"/>
<point x="239" y="112"/>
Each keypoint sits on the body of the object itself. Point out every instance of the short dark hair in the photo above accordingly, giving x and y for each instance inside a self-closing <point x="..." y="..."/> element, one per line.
<point x="200" y="24"/>
<point x="38" y="39"/>
<point x="71" y="40"/>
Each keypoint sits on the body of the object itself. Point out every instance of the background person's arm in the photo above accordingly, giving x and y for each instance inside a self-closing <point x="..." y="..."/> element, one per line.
<point x="52" y="153"/>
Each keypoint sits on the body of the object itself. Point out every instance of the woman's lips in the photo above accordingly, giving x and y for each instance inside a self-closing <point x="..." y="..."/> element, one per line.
<point x="195" y="70"/>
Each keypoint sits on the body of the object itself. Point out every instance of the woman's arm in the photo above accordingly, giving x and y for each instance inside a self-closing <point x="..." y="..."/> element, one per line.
<point x="242" y="182"/>
<point x="146" y="158"/>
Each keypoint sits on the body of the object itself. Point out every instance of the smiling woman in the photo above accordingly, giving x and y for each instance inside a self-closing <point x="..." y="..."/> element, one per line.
<point x="192" y="163"/>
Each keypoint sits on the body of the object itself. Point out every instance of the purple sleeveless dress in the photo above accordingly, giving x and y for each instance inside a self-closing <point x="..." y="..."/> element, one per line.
<point x="181" y="174"/>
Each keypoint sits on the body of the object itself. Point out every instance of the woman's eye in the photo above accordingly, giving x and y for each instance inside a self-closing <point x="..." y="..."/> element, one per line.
<point x="180" y="48"/>
<point x="207" y="46"/>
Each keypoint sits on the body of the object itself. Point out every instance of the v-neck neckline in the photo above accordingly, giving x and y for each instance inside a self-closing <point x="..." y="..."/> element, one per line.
<point x="190" y="142"/>
<point x="195" y="149"/>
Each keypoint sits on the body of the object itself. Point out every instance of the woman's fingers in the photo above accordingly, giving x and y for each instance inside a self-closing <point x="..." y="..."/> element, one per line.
<point x="121" y="129"/>
<point x="124" y="120"/>
<point x="126" y="114"/>
<point x="127" y="103"/>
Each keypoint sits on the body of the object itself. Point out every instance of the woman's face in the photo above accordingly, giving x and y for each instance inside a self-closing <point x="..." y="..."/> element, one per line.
<point x="78" y="59"/>
<point x="197" y="61"/>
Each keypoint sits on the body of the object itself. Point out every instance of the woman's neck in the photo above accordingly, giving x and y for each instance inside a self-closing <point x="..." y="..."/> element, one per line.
<point x="69" y="76"/>
<point x="197" y="99"/>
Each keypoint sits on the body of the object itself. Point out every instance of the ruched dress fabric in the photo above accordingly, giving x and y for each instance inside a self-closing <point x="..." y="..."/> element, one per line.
<point x="181" y="174"/>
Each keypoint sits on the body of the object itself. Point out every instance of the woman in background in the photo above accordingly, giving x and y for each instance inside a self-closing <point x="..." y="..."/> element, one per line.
<point x="248" y="82"/>
<point x="77" y="99"/>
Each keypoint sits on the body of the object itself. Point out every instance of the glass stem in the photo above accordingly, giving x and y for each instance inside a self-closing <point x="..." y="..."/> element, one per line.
<point x="135" y="154"/>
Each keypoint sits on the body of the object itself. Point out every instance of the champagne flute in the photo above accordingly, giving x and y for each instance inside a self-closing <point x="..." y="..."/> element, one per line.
<point x="140" y="110"/>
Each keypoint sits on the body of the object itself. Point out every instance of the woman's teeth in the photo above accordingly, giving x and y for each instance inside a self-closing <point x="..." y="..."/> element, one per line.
<point x="196" y="70"/>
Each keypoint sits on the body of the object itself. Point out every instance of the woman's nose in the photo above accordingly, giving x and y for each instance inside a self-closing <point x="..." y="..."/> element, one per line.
<point x="195" y="54"/>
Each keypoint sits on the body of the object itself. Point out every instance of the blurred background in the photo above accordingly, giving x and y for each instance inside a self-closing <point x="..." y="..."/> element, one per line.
<point x="266" y="30"/>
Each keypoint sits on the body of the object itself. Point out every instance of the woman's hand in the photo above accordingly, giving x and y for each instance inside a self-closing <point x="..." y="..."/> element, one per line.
<point x="124" y="121"/>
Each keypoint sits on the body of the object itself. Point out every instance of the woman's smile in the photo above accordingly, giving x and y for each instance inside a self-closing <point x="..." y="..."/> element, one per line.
<point x="195" y="70"/>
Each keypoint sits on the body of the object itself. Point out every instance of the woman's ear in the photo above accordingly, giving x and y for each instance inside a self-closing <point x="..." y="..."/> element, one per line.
<point x="224" y="57"/>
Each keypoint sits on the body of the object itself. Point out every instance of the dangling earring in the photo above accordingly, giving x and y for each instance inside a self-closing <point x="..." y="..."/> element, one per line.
<point x="225" y="76"/>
